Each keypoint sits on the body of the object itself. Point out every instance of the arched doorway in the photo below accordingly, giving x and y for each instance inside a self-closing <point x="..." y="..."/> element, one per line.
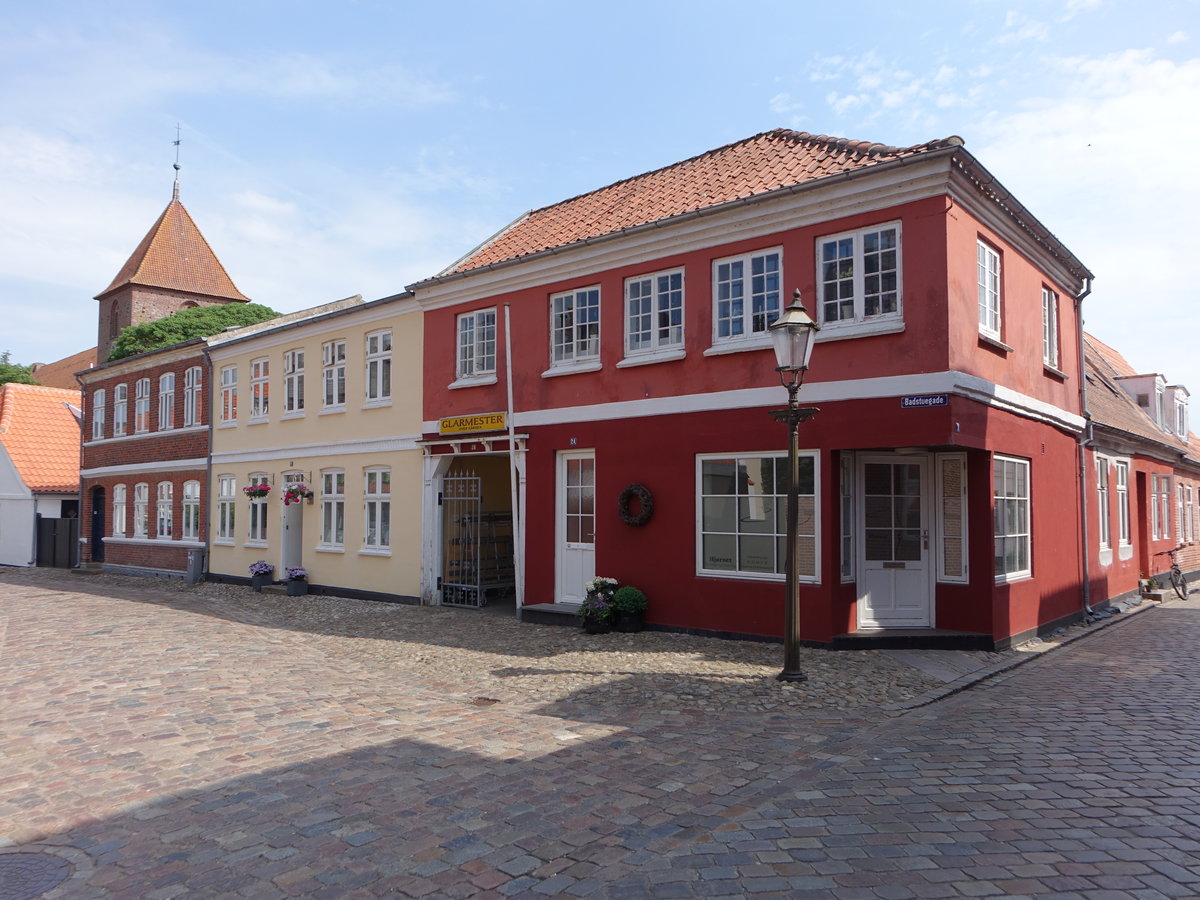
<point x="96" y="539"/>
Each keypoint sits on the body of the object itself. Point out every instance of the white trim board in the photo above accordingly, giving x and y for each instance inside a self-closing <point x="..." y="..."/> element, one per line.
<point x="340" y="448"/>
<point x="167" y="465"/>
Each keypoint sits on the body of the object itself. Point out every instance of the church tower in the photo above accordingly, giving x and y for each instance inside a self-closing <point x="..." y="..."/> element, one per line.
<point x="173" y="268"/>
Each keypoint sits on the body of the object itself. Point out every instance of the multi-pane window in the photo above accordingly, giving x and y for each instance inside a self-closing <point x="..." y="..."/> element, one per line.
<point x="120" y="409"/>
<point x="1049" y="327"/>
<point x="258" y="512"/>
<point x="99" y="399"/>
<point x="379" y="366"/>
<point x="575" y="326"/>
<point x="476" y="356"/>
<point x="1181" y="419"/>
<point x="118" y="511"/>
<point x="333" y="373"/>
<point x="141" y="405"/>
<point x="378" y="508"/>
<point x="293" y="381"/>
<point x="989" y="290"/>
<point x="229" y="394"/>
<point x="1180" y="513"/>
<point x="141" y="509"/>
<point x="260" y="388"/>
<point x="333" y="508"/>
<point x="1123" y="528"/>
<point x="1010" y="486"/>
<point x="1160" y="507"/>
<point x="654" y="312"/>
<point x="166" y="497"/>
<point x="226" y="507"/>
<point x="166" y="401"/>
<point x="858" y="275"/>
<point x="746" y="291"/>
<point x="1105" y="534"/>
<point x="743" y="515"/>
<point x="193" y="384"/>
<point x="191" y="510"/>
<point x="1190" y="529"/>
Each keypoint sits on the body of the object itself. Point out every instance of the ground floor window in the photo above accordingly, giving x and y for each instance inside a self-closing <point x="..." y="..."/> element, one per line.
<point x="333" y="508"/>
<point x="258" y="512"/>
<point x="118" y="512"/>
<point x="191" y="510"/>
<point x="1010" y="486"/>
<point x="378" y="508"/>
<point x="141" y="509"/>
<point x="166" y="497"/>
<point x="742" y="521"/>
<point x="226" y="506"/>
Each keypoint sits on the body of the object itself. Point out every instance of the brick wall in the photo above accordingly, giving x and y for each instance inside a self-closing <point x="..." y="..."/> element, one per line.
<point x="159" y="553"/>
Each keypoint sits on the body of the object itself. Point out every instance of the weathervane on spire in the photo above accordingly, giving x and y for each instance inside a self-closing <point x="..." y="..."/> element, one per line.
<point x="176" y="142"/>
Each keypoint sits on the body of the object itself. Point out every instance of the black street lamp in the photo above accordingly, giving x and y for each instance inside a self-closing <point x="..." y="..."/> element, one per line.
<point x="793" y="333"/>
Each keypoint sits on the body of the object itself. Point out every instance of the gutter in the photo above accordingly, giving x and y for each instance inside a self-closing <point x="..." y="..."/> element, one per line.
<point x="1085" y="440"/>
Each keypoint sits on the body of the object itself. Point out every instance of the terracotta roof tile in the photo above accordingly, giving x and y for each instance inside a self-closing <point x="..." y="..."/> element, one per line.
<point x="756" y="165"/>
<point x="61" y="372"/>
<point x="39" y="429"/>
<point x="174" y="255"/>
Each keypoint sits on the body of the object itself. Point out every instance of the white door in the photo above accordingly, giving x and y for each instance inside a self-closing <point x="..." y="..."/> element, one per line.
<point x="575" y="562"/>
<point x="291" y="527"/>
<point x="895" y="587"/>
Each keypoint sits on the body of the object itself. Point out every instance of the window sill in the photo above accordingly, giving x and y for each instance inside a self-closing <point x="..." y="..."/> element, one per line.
<point x="739" y="346"/>
<point x="332" y="410"/>
<point x="753" y="576"/>
<point x="591" y="365"/>
<point x="258" y="420"/>
<point x="382" y="403"/>
<point x="328" y="548"/>
<point x="840" y="332"/>
<point x="1125" y="552"/>
<point x="227" y="425"/>
<point x="478" y="381"/>
<point x="366" y="551"/>
<point x="1105" y="556"/>
<point x="646" y="359"/>
<point x="224" y="544"/>
<point x="291" y="415"/>
<point x="1014" y="577"/>
<point x="994" y="343"/>
<point x="1053" y="372"/>
<point x="257" y="545"/>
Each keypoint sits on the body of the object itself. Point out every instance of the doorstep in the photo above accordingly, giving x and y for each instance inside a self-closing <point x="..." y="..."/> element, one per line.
<point x="911" y="639"/>
<point x="551" y="613"/>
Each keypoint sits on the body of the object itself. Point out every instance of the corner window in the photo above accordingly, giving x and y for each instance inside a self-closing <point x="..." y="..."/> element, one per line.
<point x="229" y="393"/>
<point x="575" y="327"/>
<point x="191" y="511"/>
<point x="166" y="497"/>
<point x="193" y="384"/>
<point x="476" y="354"/>
<point x="989" y="290"/>
<point x="378" y="509"/>
<point x="293" y="382"/>
<point x="1010" y="516"/>
<point x="141" y="509"/>
<point x="141" y="406"/>
<point x="166" y="401"/>
<point x="379" y="366"/>
<point x="99" y="399"/>
<point x="118" y="510"/>
<point x="260" y="388"/>
<point x="654" y="313"/>
<point x="742" y="522"/>
<point x="858" y="277"/>
<point x="1049" y="328"/>
<point x="746" y="296"/>
<point x="333" y="509"/>
<point x="333" y="374"/>
<point x="226" y="507"/>
<point x="120" y="409"/>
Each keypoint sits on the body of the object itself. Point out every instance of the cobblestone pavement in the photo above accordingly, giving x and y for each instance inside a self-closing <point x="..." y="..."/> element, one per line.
<point x="157" y="743"/>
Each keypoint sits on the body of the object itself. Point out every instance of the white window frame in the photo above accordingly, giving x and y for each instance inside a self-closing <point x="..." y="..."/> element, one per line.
<point x="166" y="401"/>
<point x="333" y="509"/>
<point x="165" y="511"/>
<point x="779" y="504"/>
<point x="293" y="382"/>
<point x="1159" y="507"/>
<point x="654" y="316"/>
<point x="193" y="385"/>
<point x="747" y="329"/>
<point x="333" y="375"/>
<point x="377" y="508"/>
<point x="988" y="266"/>
<point x="861" y="281"/>
<point x="99" y="400"/>
<point x="260" y="389"/>
<point x="1103" y="508"/>
<point x="120" y="409"/>
<point x="1181" y="417"/>
<point x="256" y="522"/>
<point x="1050" y="336"/>
<point x="1191" y="515"/>
<point x="475" y="347"/>
<point x="229" y="394"/>
<point x="379" y="367"/>
<point x="141" y="406"/>
<point x="575" y="345"/>
<point x="1124" y="532"/>
<point x="226" y="509"/>
<point x="1179" y="512"/>
<point x="141" y="509"/>
<point x="1007" y="518"/>
<point x="190" y="527"/>
<point x="118" y="510"/>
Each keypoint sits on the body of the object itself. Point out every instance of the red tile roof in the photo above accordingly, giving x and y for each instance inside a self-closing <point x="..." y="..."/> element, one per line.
<point x="61" y="372"/>
<point x="39" y="429"/>
<point x="754" y="166"/>
<point x="174" y="255"/>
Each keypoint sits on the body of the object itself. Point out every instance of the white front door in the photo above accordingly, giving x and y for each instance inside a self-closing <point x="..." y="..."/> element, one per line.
<point x="575" y="562"/>
<point x="895" y="587"/>
<point x="291" y="527"/>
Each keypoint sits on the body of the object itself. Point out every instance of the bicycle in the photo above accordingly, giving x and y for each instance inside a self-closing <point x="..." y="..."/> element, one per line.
<point x="1178" y="582"/>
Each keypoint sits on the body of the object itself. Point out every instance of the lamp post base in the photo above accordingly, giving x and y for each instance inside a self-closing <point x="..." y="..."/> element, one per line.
<point x="791" y="676"/>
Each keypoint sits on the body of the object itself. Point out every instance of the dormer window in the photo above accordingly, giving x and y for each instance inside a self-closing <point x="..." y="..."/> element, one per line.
<point x="1178" y="406"/>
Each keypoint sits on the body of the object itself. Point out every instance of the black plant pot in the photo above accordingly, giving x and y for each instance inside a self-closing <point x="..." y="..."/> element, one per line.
<point x="258" y="582"/>
<point x="596" y="626"/>
<point x="630" y="622"/>
<point x="297" y="587"/>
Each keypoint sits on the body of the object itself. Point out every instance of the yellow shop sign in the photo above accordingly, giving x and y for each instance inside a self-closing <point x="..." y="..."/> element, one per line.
<point x="468" y="424"/>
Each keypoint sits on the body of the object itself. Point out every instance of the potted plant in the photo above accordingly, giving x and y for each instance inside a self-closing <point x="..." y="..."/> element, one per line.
<point x="296" y="492"/>
<point x="297" y="581"/>
<point x="257" y="490"/>
<point x="260" y="574"/>
<point x="596" y="613"/>
<point x="629" y="605"/>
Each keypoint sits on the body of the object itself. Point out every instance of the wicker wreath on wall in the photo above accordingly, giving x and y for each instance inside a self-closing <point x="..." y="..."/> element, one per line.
<point x="645" y="504"/>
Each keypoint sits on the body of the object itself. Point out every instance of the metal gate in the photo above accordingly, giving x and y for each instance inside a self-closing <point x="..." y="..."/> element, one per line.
<point x="462" y="500"/>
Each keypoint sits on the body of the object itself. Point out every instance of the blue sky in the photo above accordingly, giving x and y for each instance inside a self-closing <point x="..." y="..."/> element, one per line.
<point x="334" y="149"/>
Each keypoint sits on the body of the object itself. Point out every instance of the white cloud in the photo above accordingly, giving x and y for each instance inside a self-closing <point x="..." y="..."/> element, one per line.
<point x="1178" y="37"/>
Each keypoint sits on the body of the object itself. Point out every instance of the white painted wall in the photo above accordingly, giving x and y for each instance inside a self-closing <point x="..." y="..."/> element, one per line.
<point x="16" y="516"/>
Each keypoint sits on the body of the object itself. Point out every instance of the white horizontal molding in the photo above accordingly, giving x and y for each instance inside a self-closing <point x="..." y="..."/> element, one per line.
<point x="165" y="465"/>
<point x="143" y="435"/>
<point x="331" y="448"/>
<point x="165" y="543"/>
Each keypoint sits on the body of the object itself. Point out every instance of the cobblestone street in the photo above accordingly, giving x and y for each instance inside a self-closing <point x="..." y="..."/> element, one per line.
<point x="159" y="743"/>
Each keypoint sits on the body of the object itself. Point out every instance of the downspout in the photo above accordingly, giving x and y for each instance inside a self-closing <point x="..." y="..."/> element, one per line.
<point x="1085" y="440"/>
<point x="518" y="514"/>
<point x="213" y="399"/>
<point x="77" y="558"/>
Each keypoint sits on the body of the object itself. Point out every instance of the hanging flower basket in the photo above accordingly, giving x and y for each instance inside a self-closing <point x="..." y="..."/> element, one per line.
<point x="294" y="493"/>
<point x="256" y="491"/>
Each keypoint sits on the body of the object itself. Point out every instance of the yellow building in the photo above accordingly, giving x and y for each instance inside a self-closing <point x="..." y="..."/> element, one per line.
<point x="315" y="457"/>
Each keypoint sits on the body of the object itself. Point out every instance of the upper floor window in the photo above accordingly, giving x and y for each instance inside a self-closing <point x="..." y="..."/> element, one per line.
<point x="166" y="401"/>
<point x="575" y="327"/>
<point x="118" y="510"/>
<point x="141" y="509"/>
<point x="293" y="381"/>
<point x="120" y="408"/>
<point x="858" y="275"/>
<point x="226" y="507"/>
<point x="378" y="508"/>
<point x="379" y="366"/>
<point x="476" y="354"/>
<point x="193" y="384"/>
<point x="746" y="295"/>
<point x="333" y="373"/>
<point x="141" y="405"/>
<point x="654" y="313"/>
<point x="1181" y="412"/>
<point x="989" y="290"/>
<point x="229" y="394"/>
<point x="166" y="496"/>
<point x="99" y="399"/>
<point x="260" y="388"/>
<point x="191" y="510"/>
<point x="1010" y="515"/>
<point x="1050" y="328"/>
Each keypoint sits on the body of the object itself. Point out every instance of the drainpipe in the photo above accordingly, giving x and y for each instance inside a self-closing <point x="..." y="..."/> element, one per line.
<point x="1085" y="440"/>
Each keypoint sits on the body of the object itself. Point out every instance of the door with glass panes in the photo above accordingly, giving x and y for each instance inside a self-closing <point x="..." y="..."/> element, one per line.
<point x="895" y="584"/>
